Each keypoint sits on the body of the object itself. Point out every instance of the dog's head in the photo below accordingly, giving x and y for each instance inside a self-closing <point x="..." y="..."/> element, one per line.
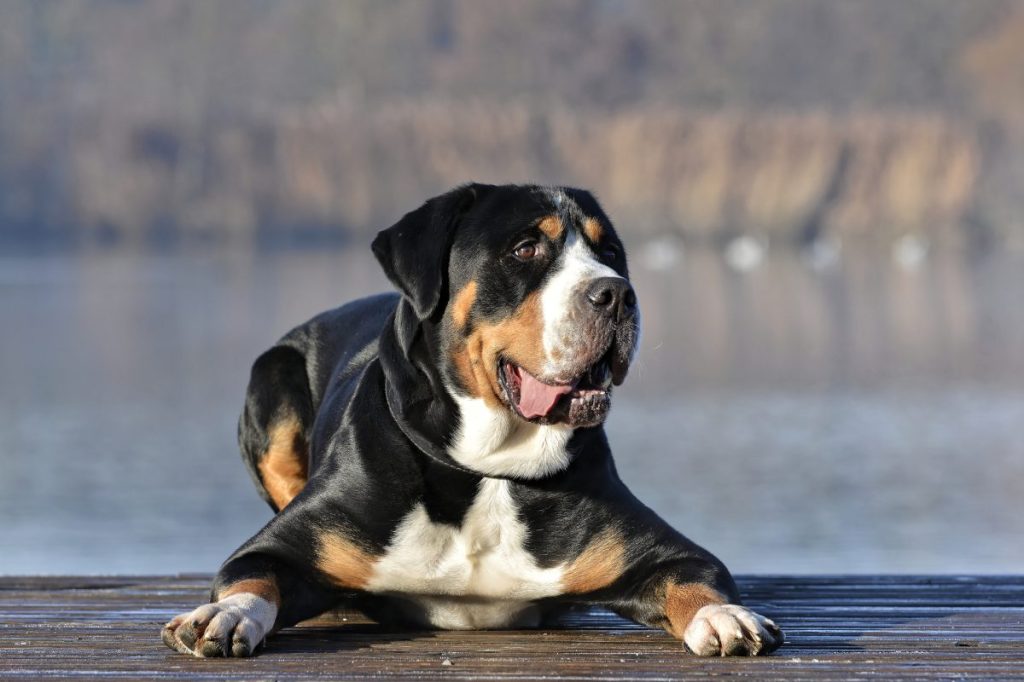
<point x="527" y="291"/>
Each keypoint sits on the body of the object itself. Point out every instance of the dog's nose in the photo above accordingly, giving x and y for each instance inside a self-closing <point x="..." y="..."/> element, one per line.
<point x="612" y="296"/>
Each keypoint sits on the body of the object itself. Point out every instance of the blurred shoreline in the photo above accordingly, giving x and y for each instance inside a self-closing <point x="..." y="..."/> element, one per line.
<point x="340" y="172"/>
<point x="153" y="124"/>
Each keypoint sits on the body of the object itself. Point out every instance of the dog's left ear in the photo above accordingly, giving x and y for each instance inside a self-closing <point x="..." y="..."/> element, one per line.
<point x="414" y="251"/>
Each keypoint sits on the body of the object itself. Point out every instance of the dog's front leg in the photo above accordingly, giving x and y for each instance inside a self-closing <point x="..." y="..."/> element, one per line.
<point x="254" y="594"/>
<point x="237" y="620"/>
<point x="267" y="584"/>
<point x="695" y="600"/>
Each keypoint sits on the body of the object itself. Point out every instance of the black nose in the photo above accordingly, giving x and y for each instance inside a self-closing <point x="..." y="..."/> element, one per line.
<point x="612" y="296"/>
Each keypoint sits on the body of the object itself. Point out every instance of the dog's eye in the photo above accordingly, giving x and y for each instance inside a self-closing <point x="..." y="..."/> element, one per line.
<point x="610" y="252"/>
<point x="526" y="250"/>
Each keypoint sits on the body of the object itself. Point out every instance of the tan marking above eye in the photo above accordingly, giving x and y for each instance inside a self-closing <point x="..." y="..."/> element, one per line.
<point x="599" y="565"/>
<point x="519" y="338"/>
<point x="682" y="601"/>
<point x="552" y="227"/>
<point x="343" y="562"/>
<point x="463" y="303"/>
<point x="284" y="467"/>
<point x="265" y="588"/>
<point x="593" y="229"/>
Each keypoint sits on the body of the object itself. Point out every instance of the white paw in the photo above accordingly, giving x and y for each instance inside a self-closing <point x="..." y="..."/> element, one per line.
<point x="731" y="630"/>
<point x="233" y="626"/>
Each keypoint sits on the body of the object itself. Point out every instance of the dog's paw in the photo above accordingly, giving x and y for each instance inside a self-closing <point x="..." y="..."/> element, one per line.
<point x="234" y="626"/>
<point x="731" y="630"/>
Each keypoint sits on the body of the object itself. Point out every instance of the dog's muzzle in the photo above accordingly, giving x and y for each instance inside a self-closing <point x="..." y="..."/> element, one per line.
<point x="606" y="330"/>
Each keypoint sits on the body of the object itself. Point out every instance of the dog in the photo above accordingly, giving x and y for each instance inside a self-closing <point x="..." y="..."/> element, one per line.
<point x="436" y="458"/>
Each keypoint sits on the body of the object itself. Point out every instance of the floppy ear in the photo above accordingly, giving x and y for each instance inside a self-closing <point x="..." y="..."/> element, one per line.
<point x="414" y="251"/>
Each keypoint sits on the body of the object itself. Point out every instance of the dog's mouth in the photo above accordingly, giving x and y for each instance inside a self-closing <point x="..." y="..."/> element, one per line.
<point x="583" y="401"/>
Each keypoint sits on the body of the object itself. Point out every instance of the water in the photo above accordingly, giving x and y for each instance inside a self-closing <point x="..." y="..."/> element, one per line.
<point x="863" y="416"/>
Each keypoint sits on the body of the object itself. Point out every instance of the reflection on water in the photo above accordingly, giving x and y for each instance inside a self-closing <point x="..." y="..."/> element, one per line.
<point x="860" y="416"/>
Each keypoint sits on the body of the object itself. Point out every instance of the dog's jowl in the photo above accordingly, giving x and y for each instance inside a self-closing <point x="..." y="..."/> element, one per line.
<point x="437" y="457"/>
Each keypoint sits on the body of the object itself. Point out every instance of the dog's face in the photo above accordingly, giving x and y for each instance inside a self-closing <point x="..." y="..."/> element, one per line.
<point x="541" y="316"/>
<point x="535" y="312"/>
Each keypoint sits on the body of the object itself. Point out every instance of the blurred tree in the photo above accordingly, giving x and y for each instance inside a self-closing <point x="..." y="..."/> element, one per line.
<point x="95" y="95"/>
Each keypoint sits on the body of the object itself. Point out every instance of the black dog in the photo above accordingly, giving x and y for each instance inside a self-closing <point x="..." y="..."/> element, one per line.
<point x="437" y="459"/>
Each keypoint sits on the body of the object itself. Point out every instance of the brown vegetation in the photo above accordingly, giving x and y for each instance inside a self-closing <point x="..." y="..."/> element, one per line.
<point x="239" y="122"/>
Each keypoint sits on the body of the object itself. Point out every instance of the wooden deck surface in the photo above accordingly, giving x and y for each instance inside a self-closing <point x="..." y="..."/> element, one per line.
<point x="853" y="627"/>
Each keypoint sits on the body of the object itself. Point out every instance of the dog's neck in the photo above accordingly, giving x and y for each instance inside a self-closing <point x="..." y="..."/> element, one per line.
<point x="494" y="442"/>
<point x="483" y="439"/>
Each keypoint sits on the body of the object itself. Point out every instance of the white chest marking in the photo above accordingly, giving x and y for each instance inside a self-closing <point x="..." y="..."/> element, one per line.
<point x="476" y="576"/>
<point x="495" y="442"/>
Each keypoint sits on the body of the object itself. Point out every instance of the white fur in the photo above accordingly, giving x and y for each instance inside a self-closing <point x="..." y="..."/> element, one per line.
<point x="243" y="615"/>
<point x="476" y="576"/>
<point x="576" y="267"/>
<point x="495" y="442"/>
<point x="718" y="628"/>
<point x="478" y="614"/>
<point x="257" y="609"/>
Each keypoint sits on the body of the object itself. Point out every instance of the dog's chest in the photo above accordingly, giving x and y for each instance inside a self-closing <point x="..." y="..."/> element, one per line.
<point x="472" y="576"/>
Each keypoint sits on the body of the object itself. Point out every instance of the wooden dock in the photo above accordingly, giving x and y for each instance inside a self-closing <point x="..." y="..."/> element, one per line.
<point x="846" y="627"/>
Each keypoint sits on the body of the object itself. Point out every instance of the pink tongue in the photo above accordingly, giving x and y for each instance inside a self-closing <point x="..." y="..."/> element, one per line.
<point x="537" y="398"/>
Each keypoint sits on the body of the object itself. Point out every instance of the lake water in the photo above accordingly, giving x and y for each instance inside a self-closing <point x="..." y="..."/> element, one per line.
<point x="802" y="416"/>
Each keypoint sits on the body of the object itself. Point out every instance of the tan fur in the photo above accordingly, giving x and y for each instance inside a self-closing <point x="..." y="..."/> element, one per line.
<point x="683" y="601"/>
<point x="593" y="229"/>
<point x="284" y="467"/>
<point x="518" y="338"/>
<point x="463" y="303"/>
<point x="464" y="368"/>
<point x="343" y="562"/>
<point x="266" y="588"/>
<point x="599" y="565"/>
<point x="551" y="226"/>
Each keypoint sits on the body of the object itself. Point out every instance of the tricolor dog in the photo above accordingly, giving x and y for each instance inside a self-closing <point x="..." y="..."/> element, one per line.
<point x="437" y="458"/>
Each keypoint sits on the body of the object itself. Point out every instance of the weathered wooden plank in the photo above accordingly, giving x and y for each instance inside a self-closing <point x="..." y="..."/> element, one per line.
<point x="838" y="627"/>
